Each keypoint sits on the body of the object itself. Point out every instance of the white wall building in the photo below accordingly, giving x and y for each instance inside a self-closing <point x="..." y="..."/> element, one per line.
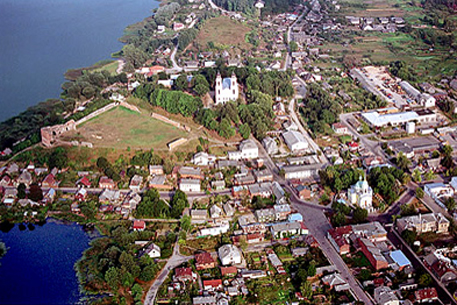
<point x="361" y="194"/>
<point x="190" y="185"/>
<point x="295" y="141"/>
<point x="247" y="150"/>
<point x="438" y="190"/>
<point x="153" y="251"/>
<point x="229" y="254"/>
<point x="203" y="159"/>
<point x="226" y="89"/>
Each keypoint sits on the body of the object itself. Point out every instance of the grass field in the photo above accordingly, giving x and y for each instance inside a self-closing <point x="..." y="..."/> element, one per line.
<point x="223" y="31"/>
<point x="121" y="128"/>
<point x="110" y="67"/>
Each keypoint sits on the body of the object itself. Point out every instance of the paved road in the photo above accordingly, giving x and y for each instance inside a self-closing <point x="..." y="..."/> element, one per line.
<point x="373" y="146"/>
<point x="173" y="58"/>
<point x="175" y="260"/>
<point x="288" y="60"/>
<point x="395" y="208"/>
<point x="318" y="226"/>
<point x="417" y="263"/>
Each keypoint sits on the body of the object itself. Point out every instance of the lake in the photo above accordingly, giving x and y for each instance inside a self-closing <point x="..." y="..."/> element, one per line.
<point x="38" y="266"/>
<point x="41" y="39"/>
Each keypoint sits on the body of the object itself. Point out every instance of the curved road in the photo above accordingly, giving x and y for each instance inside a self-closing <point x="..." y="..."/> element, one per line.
<point x="174" y="261"/>
<point x="173" y="59"/>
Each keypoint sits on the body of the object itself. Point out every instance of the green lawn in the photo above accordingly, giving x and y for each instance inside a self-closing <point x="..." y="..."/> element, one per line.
<point x="110" y="67"/>
<point x="121" y="128"/>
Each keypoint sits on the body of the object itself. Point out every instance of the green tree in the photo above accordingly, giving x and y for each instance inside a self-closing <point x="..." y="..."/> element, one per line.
<point x="429" y="175"/>
<point x="306" y="290"/>
<point x="181" y="83"/>
<point x="425" y="280"/>
<point x="245" y="131"/>
<point x="402" y="161"/>
<point x="225" y="129"/>
<point x="35" y="192"/>
<point x="112" y="278"/>
<point x="103" y="163"/>
<point x="312" y="270"/>
<point x="185" y="223"/>
<point x="200" y="85"/>
<point x="21" y="191"/>
<point x="419" y="193"/>
<point x="409" y="236"/>
<point x="293" y="46"/>
<point x="417" y="176"/>
<point x="137" y="292"/>
<point x="360" y="215"/>
<point x="338" y="219"/>
<point x="365" y="275"/>
<point x="450" y="203"/>
<point x="148" y="273"/>
<point x="447" y="150"/>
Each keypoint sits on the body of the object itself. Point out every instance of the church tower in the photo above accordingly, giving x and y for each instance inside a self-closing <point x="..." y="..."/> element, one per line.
<point x="234" y="85"/>
<point x="218" y="88"/>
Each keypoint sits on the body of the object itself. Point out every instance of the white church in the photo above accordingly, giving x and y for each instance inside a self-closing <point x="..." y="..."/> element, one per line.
<point x="226" y="89"/>
<point x="361" y="195"/>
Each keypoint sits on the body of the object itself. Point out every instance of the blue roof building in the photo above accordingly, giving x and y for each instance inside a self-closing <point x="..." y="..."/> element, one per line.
<point x="400" y="259"/>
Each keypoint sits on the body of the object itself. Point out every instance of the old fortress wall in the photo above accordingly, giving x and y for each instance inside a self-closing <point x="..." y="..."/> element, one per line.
<point x="51" y="134"/>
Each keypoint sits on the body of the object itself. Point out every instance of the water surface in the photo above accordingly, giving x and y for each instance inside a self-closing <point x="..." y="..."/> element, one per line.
<point x="38" y="267"/>
<point x="41" y="39"/>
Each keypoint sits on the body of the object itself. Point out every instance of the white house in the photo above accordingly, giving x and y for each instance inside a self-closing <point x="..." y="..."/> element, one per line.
<point x="203" y="159"/>
<point x="136" y="183"/>
<point x="453" y="183"/>
<point x="190" y="185"/>
<point x="270" y="145"/>
<point x="302" y="171"/>
<point x="222" y="228"/>
<point x="247" y="150"/>
<point x="295" y="141"/>
<point x="215" y="211"/>
<point x="153" y="251"/>
<point x="361" y="194"/>
<point x="229" y="254"/>
<point x="438" y="190"/>
<point x="226" y="89"/>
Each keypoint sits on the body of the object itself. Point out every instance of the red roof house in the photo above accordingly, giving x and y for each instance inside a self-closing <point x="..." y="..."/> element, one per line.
<point x="212" y="285"/>
<point x="425" y="295"/>
<point x="84" y="181"/>
<point x="229" y="271"/>
<point x="184" y="274"/>
<point x="106" y="183"/>
<point x="204" y="261"/>
<point x="139" y="225"/>
<point x="49" y="181"/>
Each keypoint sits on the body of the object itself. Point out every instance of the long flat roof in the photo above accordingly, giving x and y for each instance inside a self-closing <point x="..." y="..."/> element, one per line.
<point x="378" y="120"/>
<point x="399" y="257"/>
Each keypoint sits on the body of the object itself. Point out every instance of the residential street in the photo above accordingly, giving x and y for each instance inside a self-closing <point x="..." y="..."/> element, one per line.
<point x="174" y="261"/>
<point x="318" y="226"/>
<point x="373" y="146"/>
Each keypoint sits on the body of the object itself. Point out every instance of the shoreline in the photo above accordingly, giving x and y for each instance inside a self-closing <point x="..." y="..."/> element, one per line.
<point x="47" y="104"/>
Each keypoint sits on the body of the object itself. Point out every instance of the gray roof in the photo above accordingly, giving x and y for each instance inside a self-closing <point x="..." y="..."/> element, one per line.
<point x="293" y="137"/>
